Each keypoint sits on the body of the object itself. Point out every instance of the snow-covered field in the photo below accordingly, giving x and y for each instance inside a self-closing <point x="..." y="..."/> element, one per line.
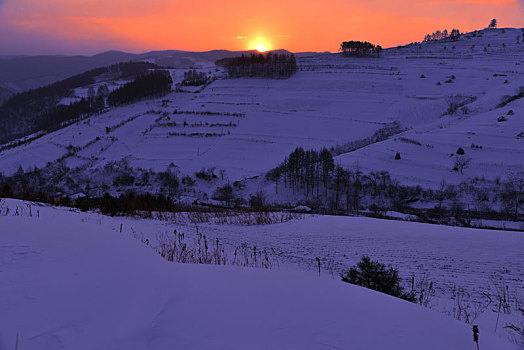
<point x="73" y="281"/>
<point x="454" y="258"/>
<point x="247" y="126"/>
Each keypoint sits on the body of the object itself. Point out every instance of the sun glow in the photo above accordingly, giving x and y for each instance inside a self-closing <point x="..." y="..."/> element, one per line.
<point x="260" y="44"/>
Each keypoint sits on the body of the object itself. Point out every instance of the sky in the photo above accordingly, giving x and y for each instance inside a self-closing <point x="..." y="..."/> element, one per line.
<point x="93" y="26"/>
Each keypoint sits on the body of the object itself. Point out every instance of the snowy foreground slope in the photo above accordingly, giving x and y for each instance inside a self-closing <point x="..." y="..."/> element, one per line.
<point x="70" y="284"/>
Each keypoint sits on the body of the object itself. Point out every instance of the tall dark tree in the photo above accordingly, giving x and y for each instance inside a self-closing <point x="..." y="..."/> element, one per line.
<point x="454" y="35"/>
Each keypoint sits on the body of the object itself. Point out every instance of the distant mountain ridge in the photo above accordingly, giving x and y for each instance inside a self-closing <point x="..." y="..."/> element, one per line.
<point x="24" y="73"/>
<point x="20" y="73"/>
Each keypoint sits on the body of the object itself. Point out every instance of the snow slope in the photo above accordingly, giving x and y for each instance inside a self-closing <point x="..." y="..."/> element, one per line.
<point x="69" y="284"/>
<point x="247" y="126"/>
<point x="455" y="259"/>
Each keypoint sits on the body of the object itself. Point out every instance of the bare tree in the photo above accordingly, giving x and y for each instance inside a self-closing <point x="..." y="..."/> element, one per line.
<point x="514" y="192"/>
<point x="91" y="93"/>
<point x="461" y="163"/>
<point x="440" y="193"/>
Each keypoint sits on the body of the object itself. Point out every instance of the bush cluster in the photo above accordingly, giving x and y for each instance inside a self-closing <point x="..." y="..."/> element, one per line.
<point x="376" y="276"/>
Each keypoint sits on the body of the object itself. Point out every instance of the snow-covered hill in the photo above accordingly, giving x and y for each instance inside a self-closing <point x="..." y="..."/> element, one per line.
<point x="81" y="284"/>
<point x="247" y="126"/>
<point x="474" y="44"/>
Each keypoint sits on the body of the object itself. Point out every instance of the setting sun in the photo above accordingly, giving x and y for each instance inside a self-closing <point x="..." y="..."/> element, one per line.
<point x="260" y="44"/>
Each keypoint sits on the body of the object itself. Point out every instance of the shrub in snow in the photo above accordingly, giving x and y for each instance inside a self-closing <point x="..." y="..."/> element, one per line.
<point x="519" y="93"/>
<point x="225" y="194"/>
<point x="374" y="275"/>
<point x="206" y="174"/>
<point x="422" y="76"/>
<point x="455" y="102"/>
<point x="461" y="163"/>
<point x="397" y="156"/>
<point x="502" y="119"/>
<point x="518" y="329"/>
<point x="460" y="151"/>
<point x="257" y="201"/>
<point x="188" y="181"/>
<point x="302" y="209"/>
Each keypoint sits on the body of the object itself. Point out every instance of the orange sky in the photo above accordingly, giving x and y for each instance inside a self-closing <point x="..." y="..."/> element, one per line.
<point x="91" y="26"/>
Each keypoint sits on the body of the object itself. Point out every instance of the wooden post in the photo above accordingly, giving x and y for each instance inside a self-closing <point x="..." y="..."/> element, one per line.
<point x="476" y="335"/>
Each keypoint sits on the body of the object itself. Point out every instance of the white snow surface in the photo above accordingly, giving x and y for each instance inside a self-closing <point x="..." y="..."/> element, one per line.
<point x="331" y="100"/>
<point x="73" y="281"/>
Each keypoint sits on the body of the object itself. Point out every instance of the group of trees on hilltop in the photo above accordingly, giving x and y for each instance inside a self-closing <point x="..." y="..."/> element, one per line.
<point x="25" y="113"/>
<point x="454" y="34"/>
<point x="154" y="84"/>
<point x="270" y="65"/>
<point x="360" y="48"/>
<point x="443" y="35"/>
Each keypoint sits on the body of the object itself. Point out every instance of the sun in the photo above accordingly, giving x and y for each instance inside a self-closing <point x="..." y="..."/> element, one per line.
<point x="260" y="44"/>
